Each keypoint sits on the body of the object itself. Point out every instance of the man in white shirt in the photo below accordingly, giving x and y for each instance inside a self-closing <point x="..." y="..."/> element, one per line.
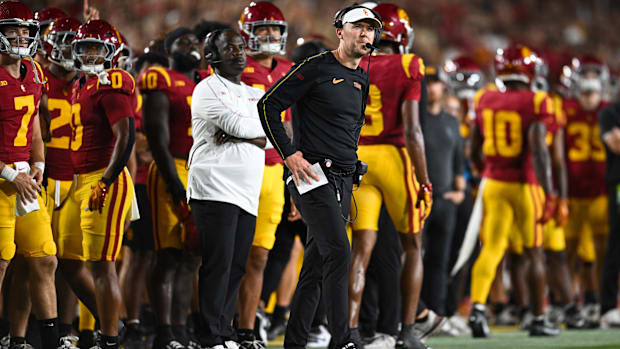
<point x="225" y="174"/>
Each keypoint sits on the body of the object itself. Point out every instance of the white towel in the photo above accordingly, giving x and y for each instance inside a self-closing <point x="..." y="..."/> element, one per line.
<point x="22" y="208"/>
<point x="57" y="194"/>
<point x="135" y="211"/>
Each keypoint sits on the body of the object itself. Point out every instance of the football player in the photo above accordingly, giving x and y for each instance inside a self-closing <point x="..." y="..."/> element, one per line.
<point x="167" y="94"/>
<point x="102" y="140"/>
<point x="265" y="30"/>
<point x="22" y="166"/>
<point x="587" y="228"/>
<point x="391" y="142"/>
<point x="46" y="18"/>
<point x="74" y="279"/>
<point x="510" y="127"/>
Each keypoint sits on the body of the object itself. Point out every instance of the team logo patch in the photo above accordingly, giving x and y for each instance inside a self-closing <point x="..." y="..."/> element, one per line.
<point x="357" y="85"/>
<point x="4" y="83"/>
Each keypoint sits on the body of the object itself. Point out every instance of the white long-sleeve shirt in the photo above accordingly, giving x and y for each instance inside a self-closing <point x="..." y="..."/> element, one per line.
<point x="232" y="172"/>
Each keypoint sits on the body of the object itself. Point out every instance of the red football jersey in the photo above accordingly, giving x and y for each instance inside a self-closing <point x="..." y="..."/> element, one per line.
<point x="58" y="93"/>
<point x="95" y="108"/>
<point x="553" y="126"/>
<point x="504" y="119"/>
<point x="19" y="102"/>
<point x="178" y="88"/>
<point x="585" y="153"/>
<point x="263" y="78"/>
<point x="143" y="170"/>
<point x="393" y="79"/>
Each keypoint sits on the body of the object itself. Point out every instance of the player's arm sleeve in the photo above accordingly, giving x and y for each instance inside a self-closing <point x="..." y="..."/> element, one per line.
<point x="210" y="101"/>
<point x="413" y="66"/>
<point x="284" y="93"/>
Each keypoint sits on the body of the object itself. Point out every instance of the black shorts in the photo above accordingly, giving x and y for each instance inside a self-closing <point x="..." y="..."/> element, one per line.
<point x="140" y="234"/>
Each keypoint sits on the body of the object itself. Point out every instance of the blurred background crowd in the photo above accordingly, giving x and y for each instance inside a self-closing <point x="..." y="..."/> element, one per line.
<point x="443" y="28"/>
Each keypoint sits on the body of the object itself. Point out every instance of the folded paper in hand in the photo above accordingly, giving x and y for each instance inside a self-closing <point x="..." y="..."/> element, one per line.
<point x="303" y="186"/>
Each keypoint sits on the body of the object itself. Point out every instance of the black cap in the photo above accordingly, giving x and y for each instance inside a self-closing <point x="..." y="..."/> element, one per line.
<point x="175" y="34"/>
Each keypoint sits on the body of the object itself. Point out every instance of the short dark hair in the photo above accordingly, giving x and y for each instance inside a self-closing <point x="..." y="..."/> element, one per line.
<point x="307" y="49"/>
<point x="151" y="57"/>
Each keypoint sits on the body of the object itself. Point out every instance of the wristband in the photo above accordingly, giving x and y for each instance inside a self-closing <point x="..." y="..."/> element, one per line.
<point x="107" y="181"/>
<point x="8" y="173"/>
<point x="40" y="165"/>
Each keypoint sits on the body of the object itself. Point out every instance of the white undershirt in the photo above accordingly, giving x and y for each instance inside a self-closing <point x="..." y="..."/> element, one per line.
<point x="232" y="172"/>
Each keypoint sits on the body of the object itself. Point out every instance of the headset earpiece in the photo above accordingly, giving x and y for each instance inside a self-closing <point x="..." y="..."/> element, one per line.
<point x="210" y="51"/>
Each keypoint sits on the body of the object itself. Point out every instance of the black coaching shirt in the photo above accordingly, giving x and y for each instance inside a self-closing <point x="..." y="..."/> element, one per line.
<point x="329" y="110"/>
<point x="609" y="118"/>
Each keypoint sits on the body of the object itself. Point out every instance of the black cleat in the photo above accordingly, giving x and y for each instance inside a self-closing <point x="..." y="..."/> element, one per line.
<point x="407" y="339"/>
<point x="542" y="328"/>
<point x="276" y="328"/>
<point x="478" y="324"/>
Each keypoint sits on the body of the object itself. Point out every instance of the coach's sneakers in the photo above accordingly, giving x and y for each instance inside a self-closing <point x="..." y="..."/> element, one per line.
<point x="611" y="319"/>
<point x="543" y="328"/>
<point x="319" y="337"/>
<point x="460" y="324"/>
<point x="431" y="326"/>
<point x="407" y="339"/>
<point x="478" y="322"/>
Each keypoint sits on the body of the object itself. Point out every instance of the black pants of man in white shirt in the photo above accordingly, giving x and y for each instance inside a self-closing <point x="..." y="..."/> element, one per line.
<point x="327" y="261"/>
<point x="226" y="233"/>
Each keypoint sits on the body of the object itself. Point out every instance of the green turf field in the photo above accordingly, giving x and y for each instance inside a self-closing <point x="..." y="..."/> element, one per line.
<point x="509" y="338"/>
<point x="590" y="339"/>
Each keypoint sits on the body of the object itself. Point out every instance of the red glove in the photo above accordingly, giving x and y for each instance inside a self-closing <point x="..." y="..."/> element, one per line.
<point x="97" y="196"/>
<point x="190" y="234"/>
<point x="425" y="193"/>
<point x="561" y="214"/>
<point x="549" y="208"/>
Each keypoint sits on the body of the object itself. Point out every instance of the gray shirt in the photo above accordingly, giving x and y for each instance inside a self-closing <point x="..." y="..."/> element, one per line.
<point x="444" y="150"/>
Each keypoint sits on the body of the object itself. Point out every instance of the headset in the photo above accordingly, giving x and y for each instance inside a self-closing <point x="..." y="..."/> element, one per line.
<point x="210" y="50"/>
<point x="378" y="31"/>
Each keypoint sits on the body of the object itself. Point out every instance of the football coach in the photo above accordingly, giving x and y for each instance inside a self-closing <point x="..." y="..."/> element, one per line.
<point x="329" y="93"/>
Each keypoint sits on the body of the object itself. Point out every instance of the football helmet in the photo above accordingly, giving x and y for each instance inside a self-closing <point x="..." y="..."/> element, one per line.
<point x="263" y="13"/>
<point x="95" y="46"/>
<point x="396" y="26"/>
<point x="123" y="55"/>
<point x="46" y="17"/>
<point x="463" y="75"/>
<point x="60" y="36"/>
<point x="588" y="73"/>
<point x="14" y="13"/>
<point x="515" y="63"/>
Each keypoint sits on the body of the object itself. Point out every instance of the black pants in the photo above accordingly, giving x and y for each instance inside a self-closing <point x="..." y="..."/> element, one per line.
<point x="141" y="236"/>
<point x="281" y="252"/>
<point x="438" y="233"/>
<point x="381" y="301"/>
<point x="611" y="265"/>
<point x="280" y="255"/>
<point x="326" y="265"/>
<point x="226" y="233"/>
<point x="457" y="283"/>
